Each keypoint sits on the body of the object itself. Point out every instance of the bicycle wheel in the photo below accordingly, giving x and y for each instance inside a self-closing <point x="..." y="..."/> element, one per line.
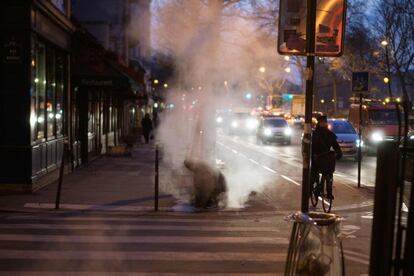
<point x="326" y="202"/>
<point x="314" y="193"/>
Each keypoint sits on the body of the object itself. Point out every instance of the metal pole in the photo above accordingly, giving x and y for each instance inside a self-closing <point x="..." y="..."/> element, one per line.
<point x="156" y="180"/>
<point x="307" y="135"/>
<point x="360" y="140"/>
<point x="61" y="171"/>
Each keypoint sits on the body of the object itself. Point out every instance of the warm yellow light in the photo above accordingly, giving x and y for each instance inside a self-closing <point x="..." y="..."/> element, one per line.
<point x="386" y="80"/>
<point x="262" y="69"/>
<point x="287" y="58"/>
<point x="384" y="43"/>
<point x="156" y="81"/>
<point x="165" y="85"/>
<point x="322" y="101"/>
<point x="387" y="100"/>
<point x="333" y="100"/>
<point x="398" y="100"/>
<point x="225" y="83"/>
<point x="287" y="69"/>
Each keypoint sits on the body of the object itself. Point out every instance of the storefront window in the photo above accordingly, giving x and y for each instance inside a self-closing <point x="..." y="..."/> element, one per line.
<point x="60" y="86"/>
<point x="50" y="92"/>
<point x="47" y="91"/>
<point x="40" y="83"/>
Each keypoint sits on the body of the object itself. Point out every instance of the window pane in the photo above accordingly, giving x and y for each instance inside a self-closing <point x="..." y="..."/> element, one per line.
<point x="33" y="90"/>
<point x="59" y="4"/>
<point x="40" y="81"/>
<point x="60" y="86"/>
<point x="50" y="86"/>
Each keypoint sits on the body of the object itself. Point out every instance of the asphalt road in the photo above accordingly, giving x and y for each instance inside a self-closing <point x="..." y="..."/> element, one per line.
<point x="275" y="173"/>
<point x="253" y="240"/>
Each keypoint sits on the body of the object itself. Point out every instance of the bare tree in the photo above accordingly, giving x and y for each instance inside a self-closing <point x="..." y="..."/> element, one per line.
<point x="395" y="25"/>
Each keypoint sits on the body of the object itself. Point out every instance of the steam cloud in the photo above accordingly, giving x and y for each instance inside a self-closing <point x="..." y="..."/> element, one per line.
<point x="210" y="44"/>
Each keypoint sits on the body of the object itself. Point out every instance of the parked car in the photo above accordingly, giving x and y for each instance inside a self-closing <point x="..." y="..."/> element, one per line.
<point x="273" y="129"/>
<point x="347" y="137"/>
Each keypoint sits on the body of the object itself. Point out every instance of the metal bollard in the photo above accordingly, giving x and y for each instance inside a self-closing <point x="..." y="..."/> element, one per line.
<point x="156" y="192"/>
<point x="61" y="171"/>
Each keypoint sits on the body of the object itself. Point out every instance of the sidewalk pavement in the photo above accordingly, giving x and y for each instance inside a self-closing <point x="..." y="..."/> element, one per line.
<point x="108" y="183"/>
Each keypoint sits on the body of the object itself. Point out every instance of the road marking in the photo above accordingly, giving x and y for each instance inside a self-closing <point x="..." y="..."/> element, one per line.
<point x="141" y="255"/>
<point x="326" y="202"/>
<point x="253" y="161"/>
<point x="290" y="180"/>
<point x="269" y="169"/>
<point x="145" y="239"/>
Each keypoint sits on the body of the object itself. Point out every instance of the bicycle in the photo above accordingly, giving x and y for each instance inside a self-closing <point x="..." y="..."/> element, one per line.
<point x="326" y="161"/>
<point x="318" y="192"/>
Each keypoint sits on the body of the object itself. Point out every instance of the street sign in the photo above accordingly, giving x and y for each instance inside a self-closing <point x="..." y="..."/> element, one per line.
<point x="329" y="27"/>
<point x="360" y="82"/>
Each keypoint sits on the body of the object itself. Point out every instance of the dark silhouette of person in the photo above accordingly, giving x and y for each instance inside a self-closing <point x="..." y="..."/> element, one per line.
<point x="146" y="124"/>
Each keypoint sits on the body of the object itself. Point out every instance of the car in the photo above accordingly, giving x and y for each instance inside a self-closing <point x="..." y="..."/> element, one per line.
<point x="242" y="123"/>
<point x="273" y="129"/>
<point x="347" y="137"/>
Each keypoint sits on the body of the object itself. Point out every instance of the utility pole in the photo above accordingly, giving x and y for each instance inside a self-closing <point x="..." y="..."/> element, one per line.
<point x="307" y="137"/>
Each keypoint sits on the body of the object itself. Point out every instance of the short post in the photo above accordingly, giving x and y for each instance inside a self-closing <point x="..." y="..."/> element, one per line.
<point x="61" y="171"/>
<point x="156" y="191"/>
<point x="360" y="140"/>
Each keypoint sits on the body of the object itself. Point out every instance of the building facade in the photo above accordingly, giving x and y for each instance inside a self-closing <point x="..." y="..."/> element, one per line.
<point x="34" y="90"/>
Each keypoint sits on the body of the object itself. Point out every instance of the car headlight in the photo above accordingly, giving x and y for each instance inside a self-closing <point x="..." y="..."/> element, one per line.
<point x="219" y="120"/>
<point x="234" y="124"/>
<point x="251" y="124"/>
<point x="377" y="137"/>
<point x="359" y="143"/>
<point x="287" y="131"/>
<point x="267" y="132"/>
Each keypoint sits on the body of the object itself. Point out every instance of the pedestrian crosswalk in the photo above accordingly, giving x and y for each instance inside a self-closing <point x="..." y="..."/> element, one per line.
<point x="148" y="244"/>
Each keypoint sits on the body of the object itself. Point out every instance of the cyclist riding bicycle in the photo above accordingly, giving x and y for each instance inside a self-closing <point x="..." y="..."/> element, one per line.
<point x="322" y="141"/>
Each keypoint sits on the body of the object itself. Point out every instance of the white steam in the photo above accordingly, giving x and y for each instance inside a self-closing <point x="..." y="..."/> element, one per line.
<point x="211" y="43"/>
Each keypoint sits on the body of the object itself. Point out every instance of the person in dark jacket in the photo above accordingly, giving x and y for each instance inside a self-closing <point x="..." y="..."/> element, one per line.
<point x="323" y="140"/>
<point x="146" y="124"/>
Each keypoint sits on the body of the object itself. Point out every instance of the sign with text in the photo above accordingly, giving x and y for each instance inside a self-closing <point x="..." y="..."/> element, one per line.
<point x="12" y="51"/>
<point x="360" y="82"/>
<point x="329" y="27"/>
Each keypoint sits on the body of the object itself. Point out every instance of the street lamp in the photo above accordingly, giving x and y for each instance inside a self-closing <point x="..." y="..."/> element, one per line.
<point x="287" y="58"/>
<point x="262" y="69"/>
<point x="248" y="96"/>
<point x="387" y="80"/>
<point x="165" y="85"/>
<point x="322" y="101"/>
<point x="287" y="69"/>
<point x="156" y="81"/>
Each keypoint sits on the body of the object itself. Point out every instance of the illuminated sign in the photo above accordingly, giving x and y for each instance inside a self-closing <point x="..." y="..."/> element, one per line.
<point x="329" y="27"/>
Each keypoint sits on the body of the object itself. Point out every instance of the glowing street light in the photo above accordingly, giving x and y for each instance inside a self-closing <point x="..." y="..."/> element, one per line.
<point x="225" y="83"/>
<point x="262" y="69"/>
<point x="322" y="101"/>
<point x="384" y="43"/>
<point x="248" y="96"/>
<point x="155" y="105"/>
<point x="287" y="58"/>
<point x="287" y="69"/>
<point x="156" y="81"/>
<point x="386" y="80"/>
<point x="165" y="85"/>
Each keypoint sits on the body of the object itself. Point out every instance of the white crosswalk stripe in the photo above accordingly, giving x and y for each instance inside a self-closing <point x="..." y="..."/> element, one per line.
<point x="190" y="244"/>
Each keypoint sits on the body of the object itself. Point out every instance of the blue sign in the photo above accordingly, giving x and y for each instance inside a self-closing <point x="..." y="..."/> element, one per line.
<point x="360" y="82"/>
